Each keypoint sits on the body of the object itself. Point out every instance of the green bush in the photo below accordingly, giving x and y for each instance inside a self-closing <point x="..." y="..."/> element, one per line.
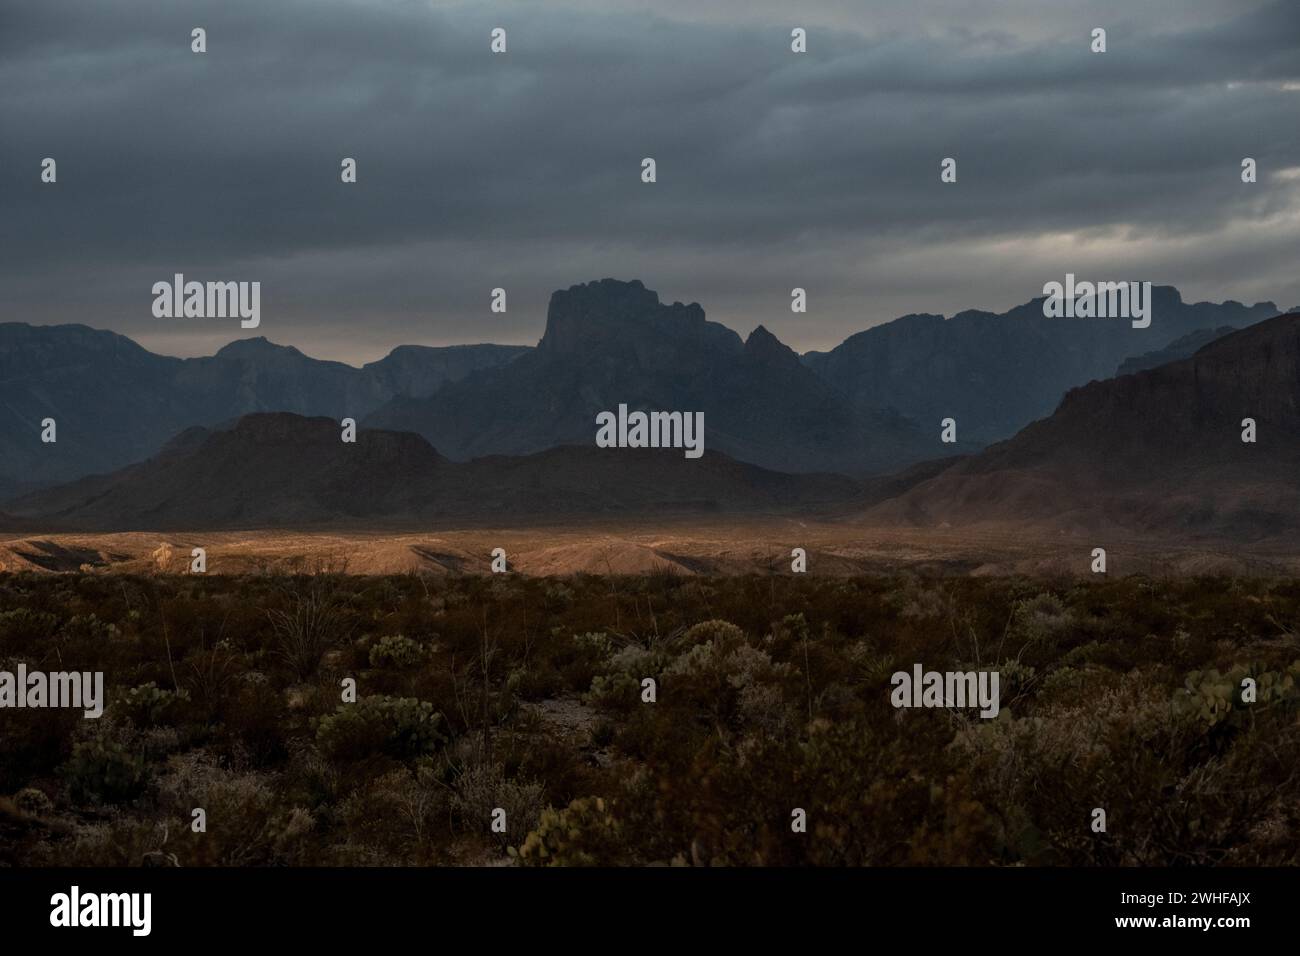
<point x="396" y="651"/>
<point x="616" y="692"/>
<point x="585" y="833"/>
<point x="22" y="627"/>
<point x="148" y="704"/>
<point x="711" y="631"/>
<point x="1213" y="697"/>
<point x="104" y="771"/>
<point x="401" y="727"/>
<point x="595" y="645"/>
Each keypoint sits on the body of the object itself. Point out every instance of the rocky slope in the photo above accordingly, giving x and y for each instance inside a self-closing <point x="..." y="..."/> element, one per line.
<point x="115" y="403"/>
<point x="609" y="343"/>
<point x="286" y="471"/>
<point x="1156" y="452"/>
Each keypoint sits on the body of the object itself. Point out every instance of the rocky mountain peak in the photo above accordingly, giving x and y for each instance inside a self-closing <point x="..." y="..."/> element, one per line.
<point x="765" y="349"/>
<point x="611" y="315"/>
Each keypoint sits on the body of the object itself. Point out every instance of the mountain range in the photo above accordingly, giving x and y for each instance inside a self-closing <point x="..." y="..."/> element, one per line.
<point x="1158" y="451"/>
<point x="609" y="343"/>
<point x="115" y="403"/>
<point x="282" y="470"/>
<point x="1180" y="348"/>
<point x="870" y="407"/>
<point x="995" y="373"/>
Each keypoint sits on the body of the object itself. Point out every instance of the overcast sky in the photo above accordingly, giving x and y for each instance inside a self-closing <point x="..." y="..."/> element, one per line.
<point x="522" y="170"/>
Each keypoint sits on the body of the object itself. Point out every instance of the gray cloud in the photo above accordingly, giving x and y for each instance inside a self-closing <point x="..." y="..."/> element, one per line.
<point x="522" y="171"/>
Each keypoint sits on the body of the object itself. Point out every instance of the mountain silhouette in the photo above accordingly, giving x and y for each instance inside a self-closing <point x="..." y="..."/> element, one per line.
<point x="1180" y="348"/>
<point x="995" y="373"/>
<point x="872" y="406"/>
<point x="609" y="343"/>
<point x="114" y="402"/>
<point x="1159" y="451"/>
<point x="277" y="470"/>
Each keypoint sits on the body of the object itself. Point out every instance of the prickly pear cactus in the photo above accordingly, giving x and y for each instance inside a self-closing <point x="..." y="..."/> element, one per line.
<point x="1213" y="697"/>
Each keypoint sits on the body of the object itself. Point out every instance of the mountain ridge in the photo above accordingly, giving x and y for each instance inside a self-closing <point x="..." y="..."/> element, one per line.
<point x="282" y="470"/>
<point x="1159" y="451"/>
<point x="115" y="402"/>
<point x="930" y="368"/>
<point x="609" y="343"/>
<point x="870" y="406"/>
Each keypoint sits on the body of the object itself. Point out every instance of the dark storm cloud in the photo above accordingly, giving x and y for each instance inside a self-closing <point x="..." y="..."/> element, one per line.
<point x="522" y="170"/>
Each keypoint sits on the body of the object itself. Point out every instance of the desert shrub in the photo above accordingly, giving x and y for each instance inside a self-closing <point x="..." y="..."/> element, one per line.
<point x="635" y="660"/>
<point x="148" y="704"/>
<point x="714" y="631"/>
<point x="1063" y="683"/>
<point x="1015" y="681"/>
<point x="537" y="681"/>
<point x="618" y="689"/>
<point x="88" y="628"/>
<point x="253" y="722"/>
<point x="731" y="680"/>
<point x="118" y="841"/>
<point x="396" y="651"/>
<point x="595" y="645"/>
<point x="1126" y="751"/>
<point x="312" y="622"/>
<point x="582" y="657"/>
<point x="482" y="788"/>
<point x="33" y="802"/>
<point x="396" y="813"/>
<point x="618" y="692"/>
<point x="401" y="727"/>
<point x="764" y="707"/>
<point x="924" y="604"/>
<point x="1038" y="625"/>
<point x="557" y="596"/>
<point x="246" y="822"/>
<point x="870" y="802"/>
<point x="585" y="833"/>
<point x="1041" y="614"/>
<point x="33" y="741"/>
<point x="104" y="770"/>
<point x="869" y="664"/>
<point x="208" y="674"/>
<point x="563" y="770"/>
<point x="23" y="629"/>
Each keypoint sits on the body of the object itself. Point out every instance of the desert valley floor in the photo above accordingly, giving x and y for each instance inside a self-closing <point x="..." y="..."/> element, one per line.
<point x="741" y="546"/>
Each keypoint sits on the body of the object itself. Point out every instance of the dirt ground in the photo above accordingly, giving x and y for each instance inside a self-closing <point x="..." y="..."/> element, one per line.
<point x="687" y="547"/>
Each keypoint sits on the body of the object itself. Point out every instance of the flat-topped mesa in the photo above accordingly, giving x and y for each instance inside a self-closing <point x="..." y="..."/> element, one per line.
<point x="280" y="430"/>
<point x="612" y="317"/>
<point x="254" y="347"/>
